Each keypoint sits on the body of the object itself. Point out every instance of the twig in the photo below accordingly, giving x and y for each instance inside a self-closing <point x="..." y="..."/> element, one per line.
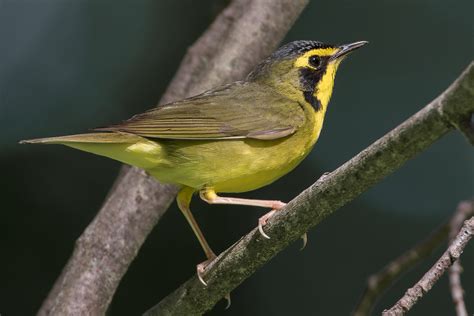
<point x="323" y="198"/>
<point x="243" y="34"/>
<point x="457" y="291"/>
<point x="465" y="209"/>
<point x="425" y="284"/>
<point x="378" y="282"/>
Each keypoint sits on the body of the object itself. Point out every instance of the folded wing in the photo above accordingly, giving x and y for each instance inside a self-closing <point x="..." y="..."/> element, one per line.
<point x="238" y="110"/>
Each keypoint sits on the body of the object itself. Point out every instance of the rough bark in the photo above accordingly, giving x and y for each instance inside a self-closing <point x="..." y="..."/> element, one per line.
<point x="243" y="34"/>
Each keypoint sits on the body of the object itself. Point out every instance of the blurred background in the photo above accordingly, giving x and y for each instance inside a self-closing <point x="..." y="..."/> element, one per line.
<point x="66" y="66"/>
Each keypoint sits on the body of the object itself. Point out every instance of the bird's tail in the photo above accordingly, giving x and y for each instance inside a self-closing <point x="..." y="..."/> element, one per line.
<point x="127" y="148"/>
<point x="103" y="138"/>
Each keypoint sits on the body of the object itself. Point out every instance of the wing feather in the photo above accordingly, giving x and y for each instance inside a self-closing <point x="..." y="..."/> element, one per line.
<point x="230" y="112"/>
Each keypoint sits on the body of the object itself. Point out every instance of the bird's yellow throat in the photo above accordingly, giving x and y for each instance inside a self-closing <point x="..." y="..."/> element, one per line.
<point x="324" y="87"/>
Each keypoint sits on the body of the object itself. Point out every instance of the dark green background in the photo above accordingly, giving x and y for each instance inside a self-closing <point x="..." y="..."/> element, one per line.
<point x="66" y="66"/>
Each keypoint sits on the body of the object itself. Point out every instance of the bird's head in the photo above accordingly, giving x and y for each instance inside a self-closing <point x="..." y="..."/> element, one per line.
<point x="304" y="70"/>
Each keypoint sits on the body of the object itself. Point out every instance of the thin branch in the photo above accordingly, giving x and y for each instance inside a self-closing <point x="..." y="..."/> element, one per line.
<point x="465" y="209"/>
<point x="320" y="200"/>
<point x="243" y="34"/>
<point x="457" y="291"/>
<point x="378" y="282"/>
<point x="425" y="284"/>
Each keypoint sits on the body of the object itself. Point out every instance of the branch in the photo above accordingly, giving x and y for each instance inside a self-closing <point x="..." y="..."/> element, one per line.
<point x="243" y="34"/>
<point x="425" y="284"/>
<point x="325" y="196"/>
<point x="465" y="210"/>
<point x="378" y="282"/>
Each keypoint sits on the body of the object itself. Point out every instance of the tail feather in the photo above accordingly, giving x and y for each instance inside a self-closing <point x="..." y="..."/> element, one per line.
<point x="115" y="138"/>
<point x="127" y="148"/>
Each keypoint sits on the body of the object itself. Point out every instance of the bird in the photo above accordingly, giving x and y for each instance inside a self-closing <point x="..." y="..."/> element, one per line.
<point x="234" y="138"/>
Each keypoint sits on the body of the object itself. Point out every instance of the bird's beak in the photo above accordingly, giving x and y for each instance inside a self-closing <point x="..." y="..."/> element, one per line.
<point x="347" y="48"/>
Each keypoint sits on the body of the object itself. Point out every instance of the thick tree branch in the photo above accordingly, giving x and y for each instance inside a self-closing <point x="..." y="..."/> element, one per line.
<point x="425" y="284"/>
<point x="325" y="196"/>
<point x="243" y="34"/>
<point x="378" y="282"/>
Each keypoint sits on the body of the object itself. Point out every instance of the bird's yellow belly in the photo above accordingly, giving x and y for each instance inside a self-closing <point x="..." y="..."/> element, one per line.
<point x="232" y="165"/>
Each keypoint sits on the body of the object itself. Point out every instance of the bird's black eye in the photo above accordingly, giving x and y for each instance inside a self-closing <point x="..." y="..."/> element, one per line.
<point x="315" y="61"/>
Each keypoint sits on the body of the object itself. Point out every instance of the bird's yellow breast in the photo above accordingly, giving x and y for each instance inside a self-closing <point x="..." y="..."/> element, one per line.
<point x="237" y="165"/>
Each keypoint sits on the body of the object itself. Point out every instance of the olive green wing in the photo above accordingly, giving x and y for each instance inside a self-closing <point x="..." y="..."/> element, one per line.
<point x="239" y="110"/>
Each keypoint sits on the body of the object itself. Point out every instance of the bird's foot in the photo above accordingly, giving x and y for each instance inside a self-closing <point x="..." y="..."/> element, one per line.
<point x="262" y="221"/>
<point x="202" y="266"/>
<point x="200" y="270"/>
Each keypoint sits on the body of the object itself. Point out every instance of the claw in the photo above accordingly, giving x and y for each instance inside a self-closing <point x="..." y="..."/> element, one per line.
<point x="305" y="240"/>
<point x="262" y="221"/>
<point x="260" y="229"/>
<point x="201" y="267"/>
<point x="202" y="280"/>
<point x="199" y="272"/>
<point x="227" y="298"/>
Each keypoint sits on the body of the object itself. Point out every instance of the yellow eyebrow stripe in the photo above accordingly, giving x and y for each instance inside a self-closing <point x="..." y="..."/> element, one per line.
<point x="302" y="61"/>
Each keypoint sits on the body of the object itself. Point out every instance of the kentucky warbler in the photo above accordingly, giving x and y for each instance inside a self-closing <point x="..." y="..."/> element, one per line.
<point x="234" y="138"/>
